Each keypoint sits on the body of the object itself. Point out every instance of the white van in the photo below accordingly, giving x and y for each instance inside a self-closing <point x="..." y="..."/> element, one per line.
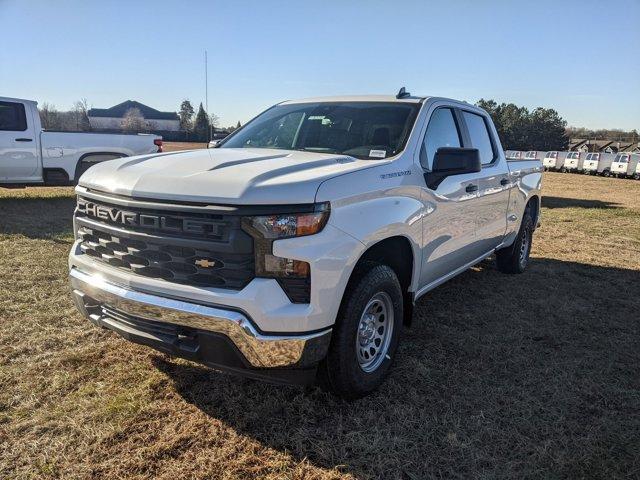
<point x="625" y="164"/>
<point x="573" y="162"/>
<point x="598" y="163"/>
<point x="550" y="160"/>
<point x="636" y="174"/>
<point x="534" y="155"/>
<point x="514" y="154"/>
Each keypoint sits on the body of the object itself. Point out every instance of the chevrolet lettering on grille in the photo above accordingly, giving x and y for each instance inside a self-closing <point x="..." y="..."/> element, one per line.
<point x="166" y="223"/>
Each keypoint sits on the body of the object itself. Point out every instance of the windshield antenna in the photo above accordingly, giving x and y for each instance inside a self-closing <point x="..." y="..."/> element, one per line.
<point x="402" y="93"/>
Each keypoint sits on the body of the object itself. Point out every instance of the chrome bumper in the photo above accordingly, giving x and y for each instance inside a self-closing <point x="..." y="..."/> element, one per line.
<point x="97" y="299"/>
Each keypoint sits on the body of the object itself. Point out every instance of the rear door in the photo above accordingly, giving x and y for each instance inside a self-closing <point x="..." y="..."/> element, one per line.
<point x="490" y="209"/>
<point x="18" y="144"/>
<point x="449" y="222"/>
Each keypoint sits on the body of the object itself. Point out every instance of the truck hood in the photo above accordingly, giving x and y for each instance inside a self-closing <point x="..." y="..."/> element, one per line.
<point x="242" y="176"/>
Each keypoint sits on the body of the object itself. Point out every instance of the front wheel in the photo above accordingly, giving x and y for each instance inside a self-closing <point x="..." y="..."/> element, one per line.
<point x="515" y="258"/>
<point x="366" y="334"/>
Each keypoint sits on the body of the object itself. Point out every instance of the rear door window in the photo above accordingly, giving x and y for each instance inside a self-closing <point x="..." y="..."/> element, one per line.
<point x="442" y="131"/>
<point x="480" y="137"/>
<point x="12" y="117"/>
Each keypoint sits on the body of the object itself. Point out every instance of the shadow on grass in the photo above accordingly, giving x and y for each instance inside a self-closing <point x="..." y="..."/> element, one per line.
<point x="40" y="217"/>
<point x="561" y="202"/>
<point x="531" y="375"/>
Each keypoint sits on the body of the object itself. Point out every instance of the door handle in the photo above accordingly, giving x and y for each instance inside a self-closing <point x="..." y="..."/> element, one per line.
<point x="24" y="139"/>
<point x="471" y="188"/>
<point x="504" y="181"/>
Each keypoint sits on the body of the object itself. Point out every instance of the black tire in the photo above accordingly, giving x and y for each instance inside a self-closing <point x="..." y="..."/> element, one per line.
<point x="515" y="258"/>
<point x="563" y="170"/>
<point x="636" y="176"/>
<point x="341" y="371"/>
<point x="606" y="173"/>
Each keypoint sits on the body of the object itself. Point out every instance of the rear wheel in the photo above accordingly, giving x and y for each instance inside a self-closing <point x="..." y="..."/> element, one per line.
<point x="515" y="258"/>
<point x="606" y="173"/>
<point x="636" y="176"/>
<point x="366" y="334"/>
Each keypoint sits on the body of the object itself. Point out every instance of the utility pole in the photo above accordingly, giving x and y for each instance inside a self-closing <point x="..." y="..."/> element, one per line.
<point x="206" y="91"/>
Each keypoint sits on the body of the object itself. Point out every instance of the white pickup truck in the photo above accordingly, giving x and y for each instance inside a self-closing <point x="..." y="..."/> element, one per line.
<point x="299" y="245"/>
<point x="29" y="155"/>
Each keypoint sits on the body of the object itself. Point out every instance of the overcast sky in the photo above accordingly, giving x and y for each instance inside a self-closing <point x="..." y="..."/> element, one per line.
<point x="581" y="58"/>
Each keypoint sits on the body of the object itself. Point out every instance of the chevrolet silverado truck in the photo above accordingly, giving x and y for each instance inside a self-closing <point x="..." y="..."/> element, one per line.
<point x="32" y="156"/>
<point x="294" y="251"/>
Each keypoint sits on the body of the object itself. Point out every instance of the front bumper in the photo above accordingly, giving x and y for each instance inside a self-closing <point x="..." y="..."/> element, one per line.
<point x="214" y="336"/>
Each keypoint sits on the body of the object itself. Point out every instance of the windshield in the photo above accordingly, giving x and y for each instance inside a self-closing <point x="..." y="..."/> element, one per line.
<point x="360" y="129"/>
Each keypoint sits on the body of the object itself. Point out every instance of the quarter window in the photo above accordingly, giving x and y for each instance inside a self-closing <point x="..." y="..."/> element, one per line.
<point x="442" y="131"/>
<point x="12" y="117"/>
<point x="480" y="138"/>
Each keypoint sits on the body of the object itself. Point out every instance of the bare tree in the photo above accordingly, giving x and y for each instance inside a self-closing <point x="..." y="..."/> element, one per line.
<point x="133" y="121"/>
<point x="80" y="109"/>
<point x="214" y="120"/>
<point x="50" y="117"/>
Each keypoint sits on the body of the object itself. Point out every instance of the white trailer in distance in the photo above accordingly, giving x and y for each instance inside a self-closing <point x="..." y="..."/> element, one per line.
<point x="554" y="160"/>
<point x="573" y="162"/>
<point x="625" y="164"/>
<point x="598" y="163"/>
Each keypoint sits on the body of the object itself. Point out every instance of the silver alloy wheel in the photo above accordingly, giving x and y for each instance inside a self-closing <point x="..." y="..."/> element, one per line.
<point x="375" y="330"/>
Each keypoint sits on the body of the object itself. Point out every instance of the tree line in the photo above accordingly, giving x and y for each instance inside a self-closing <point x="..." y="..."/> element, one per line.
<point x="73" y="120"/>
<point x="200" y="126"/>
<point x="615" y="134"/>
<point x="521" y="129"/>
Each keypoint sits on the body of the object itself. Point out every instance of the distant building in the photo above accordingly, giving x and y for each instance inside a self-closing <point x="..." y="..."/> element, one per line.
<point x="605" y="146"/>
<point x="111" y="118"/>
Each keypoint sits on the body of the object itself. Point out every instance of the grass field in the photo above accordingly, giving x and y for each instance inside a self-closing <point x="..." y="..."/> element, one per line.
<point x="529" y="376"/>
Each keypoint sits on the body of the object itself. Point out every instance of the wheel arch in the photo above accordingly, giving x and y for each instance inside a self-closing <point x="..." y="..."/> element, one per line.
<point x="534" y="204"/>
<point x="397" y="253"/>
<point x="87" y="156"/>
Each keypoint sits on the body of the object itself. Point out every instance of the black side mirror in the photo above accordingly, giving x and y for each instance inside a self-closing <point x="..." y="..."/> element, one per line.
<point x="452" y="161"/>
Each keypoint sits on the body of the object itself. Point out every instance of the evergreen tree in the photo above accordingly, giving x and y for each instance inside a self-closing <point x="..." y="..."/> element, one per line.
<point x="186" y="116"/>
<point x="201" y="125"/>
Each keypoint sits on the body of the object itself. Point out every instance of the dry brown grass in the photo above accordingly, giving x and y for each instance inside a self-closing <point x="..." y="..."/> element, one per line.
<point x="500" y="376"/>
<point x="175" y="146"/>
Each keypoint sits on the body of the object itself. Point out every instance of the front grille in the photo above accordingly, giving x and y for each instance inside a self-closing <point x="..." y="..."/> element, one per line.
<point x="216" y="253"/>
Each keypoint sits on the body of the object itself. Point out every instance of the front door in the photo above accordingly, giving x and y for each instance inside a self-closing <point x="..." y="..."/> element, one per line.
<point x="449" y="237"/>
<point x="18" y="144"/>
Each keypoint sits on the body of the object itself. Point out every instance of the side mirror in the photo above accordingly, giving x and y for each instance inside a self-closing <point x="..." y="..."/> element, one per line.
<point x="452" y="161"/>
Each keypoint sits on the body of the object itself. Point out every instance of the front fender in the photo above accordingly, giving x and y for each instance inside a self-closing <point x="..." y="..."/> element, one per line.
<point x="371" y="220"/>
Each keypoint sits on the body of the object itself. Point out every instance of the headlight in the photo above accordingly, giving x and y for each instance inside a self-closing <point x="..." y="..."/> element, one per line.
<point x="265" y="229"/>
<point x="291" y="225"/>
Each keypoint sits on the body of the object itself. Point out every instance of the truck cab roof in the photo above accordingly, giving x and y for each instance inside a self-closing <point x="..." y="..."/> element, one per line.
<point x="356" y="98"/>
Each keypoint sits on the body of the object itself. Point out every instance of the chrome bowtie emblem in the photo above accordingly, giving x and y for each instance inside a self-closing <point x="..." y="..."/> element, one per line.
<point x="204" y="263"/>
